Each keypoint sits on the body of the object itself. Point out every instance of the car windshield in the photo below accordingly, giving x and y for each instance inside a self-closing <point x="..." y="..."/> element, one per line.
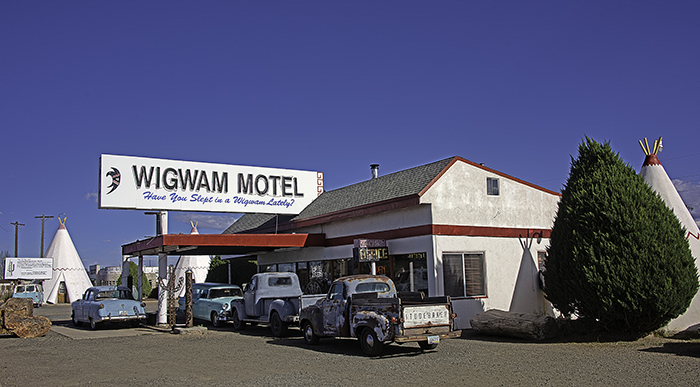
<point x="225" y="292"/>
<point x="371" y="287"/>
<point x="120" y="294"/>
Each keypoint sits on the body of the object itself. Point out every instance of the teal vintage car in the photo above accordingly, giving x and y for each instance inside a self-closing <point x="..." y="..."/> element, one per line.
<point x="33" y="291"/>
<point x="102" y="304"/>
<point x="212" y="301"/>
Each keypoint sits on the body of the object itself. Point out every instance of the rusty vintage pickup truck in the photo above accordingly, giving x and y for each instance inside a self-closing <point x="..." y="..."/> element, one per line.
<point x="369" y="308"/>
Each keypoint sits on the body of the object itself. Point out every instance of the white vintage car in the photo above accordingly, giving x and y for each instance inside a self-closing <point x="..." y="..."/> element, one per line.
<point x="107" y="304"/>
<point x="212" y="301"/>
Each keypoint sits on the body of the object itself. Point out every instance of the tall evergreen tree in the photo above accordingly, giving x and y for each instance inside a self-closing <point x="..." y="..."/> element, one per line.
<point x="618" y="254"/>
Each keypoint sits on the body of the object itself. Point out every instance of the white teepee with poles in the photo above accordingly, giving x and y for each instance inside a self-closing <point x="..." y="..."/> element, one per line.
<point x="67" y="268"/>
<point x="656" y="177"/>
<point x="199" y="264"/>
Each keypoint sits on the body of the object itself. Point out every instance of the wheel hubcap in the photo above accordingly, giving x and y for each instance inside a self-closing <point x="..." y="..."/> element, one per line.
<point x="369" y="340"/>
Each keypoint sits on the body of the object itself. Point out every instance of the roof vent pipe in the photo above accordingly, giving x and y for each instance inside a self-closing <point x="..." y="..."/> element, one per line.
<point x="375" y="170"/>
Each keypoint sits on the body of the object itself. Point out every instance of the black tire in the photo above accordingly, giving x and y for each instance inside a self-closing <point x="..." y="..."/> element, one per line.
<point x="238" y="325"/>
<point x="75" y="321"/>
<point x="370" y="344"/>
<point x="307" y="330"/>
<point x="425" y="345"/>
<point x="93" y="325"/>
<point x="278" y="327"/>
<point x="215" y="319"/>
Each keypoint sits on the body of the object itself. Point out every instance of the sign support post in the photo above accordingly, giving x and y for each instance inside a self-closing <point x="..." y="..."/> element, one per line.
<point x="163" y="273"/>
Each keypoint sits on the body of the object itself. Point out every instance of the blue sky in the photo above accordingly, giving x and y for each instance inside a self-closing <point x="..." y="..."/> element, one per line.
<point x="331" y="87"/>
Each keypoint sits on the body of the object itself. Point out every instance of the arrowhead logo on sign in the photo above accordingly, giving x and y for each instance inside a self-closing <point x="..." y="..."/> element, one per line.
<point x="116" y="178"/>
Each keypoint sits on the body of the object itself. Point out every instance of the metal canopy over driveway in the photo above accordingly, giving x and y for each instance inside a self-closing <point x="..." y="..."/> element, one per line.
<point x="220" y="244"/>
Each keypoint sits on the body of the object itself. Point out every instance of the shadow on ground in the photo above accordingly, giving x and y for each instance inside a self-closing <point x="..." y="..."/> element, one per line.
<point x="689" y="349"/>
<point x="350" y="347"/>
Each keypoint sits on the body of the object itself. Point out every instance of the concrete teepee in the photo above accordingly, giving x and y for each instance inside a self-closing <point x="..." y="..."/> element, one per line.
<point x="656" y="177"/>
<point x="68" y="269"/>
<point x="199" y="264"/>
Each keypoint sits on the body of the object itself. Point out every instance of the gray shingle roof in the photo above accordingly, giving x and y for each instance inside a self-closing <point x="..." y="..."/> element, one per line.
<point x="392" y="186"/>
<point x="252" y="221"/>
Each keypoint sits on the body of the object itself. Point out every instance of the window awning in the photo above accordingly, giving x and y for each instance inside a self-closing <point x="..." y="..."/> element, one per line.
<point x="220" y="244"/>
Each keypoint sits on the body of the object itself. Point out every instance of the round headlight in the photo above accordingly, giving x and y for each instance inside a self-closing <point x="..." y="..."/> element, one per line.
<point x="226" y="306"/>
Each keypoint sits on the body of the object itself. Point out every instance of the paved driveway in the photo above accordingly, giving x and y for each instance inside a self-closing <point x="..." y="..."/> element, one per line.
<point x="60" y="316"/>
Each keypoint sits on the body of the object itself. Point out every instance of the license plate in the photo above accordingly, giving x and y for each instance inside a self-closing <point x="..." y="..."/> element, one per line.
<point x="123" y="313"/>
<point x="433" y="339"/>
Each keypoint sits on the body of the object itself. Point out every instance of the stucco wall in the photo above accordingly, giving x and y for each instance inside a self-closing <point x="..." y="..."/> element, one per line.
<point x="511" y="274"/>
<point x="459" y="198"/>
<point x="387" y="220"/>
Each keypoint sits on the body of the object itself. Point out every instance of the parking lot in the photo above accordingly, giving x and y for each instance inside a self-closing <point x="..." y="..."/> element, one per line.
<point x="222" y="357"/>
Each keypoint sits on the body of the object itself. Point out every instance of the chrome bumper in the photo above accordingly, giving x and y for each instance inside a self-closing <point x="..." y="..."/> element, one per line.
<point x="424" y="337"/>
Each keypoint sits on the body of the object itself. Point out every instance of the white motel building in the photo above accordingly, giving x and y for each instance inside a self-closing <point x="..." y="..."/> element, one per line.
<point x="452" y="227"/>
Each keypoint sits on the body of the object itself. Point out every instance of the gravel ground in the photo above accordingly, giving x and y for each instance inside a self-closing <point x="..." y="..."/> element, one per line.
<point x="221" y="357"/>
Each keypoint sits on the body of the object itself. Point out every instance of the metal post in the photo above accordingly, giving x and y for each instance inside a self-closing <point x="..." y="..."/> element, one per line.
<point x="140" y="283"/>
<point x="163" y="273"/>
<point x="125" y="270"/>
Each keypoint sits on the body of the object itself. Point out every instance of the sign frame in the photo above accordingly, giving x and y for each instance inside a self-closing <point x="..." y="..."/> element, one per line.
<point x="370" y="250"/>
<point x="142" y="183"/>
<point x="28" y="268"/>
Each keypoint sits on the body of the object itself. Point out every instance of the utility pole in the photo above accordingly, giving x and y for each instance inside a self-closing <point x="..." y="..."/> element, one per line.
<point x="43" y="219"/>
<point x="16" y="224"/>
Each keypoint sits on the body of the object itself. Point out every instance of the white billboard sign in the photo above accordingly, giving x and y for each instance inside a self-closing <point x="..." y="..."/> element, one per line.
<point x="156" y="184"/>
<point x="28" y="268"/>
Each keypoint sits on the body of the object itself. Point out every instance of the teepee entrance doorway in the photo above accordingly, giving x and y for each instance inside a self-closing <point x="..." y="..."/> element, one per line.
<point x="61" y="296"/>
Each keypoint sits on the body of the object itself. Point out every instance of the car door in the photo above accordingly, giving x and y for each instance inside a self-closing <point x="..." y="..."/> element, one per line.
<point x="81" y="311"/>
<point x="249" y="298"/>
<point x="334" y="310"/>
<point x="199" y="306"/>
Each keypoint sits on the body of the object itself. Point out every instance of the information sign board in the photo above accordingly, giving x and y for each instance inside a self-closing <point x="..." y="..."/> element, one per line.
<point x="156" y="184"/>
<point x="370" y="250"/>
<point x="28" y="268"/>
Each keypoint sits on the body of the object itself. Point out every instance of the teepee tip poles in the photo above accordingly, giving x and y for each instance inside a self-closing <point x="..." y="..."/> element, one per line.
<point x="648" y="151"/>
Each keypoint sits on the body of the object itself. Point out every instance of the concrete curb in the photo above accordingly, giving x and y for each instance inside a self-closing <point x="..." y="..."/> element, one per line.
<point x="200" y="330"/>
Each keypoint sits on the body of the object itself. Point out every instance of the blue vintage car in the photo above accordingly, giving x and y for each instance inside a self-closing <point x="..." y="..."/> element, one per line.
<point x="108" y="304"/>
<point x="212" y="301"/>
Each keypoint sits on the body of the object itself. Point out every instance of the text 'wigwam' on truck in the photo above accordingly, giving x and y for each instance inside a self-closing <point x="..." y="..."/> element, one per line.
<point x="368" y="307"/>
